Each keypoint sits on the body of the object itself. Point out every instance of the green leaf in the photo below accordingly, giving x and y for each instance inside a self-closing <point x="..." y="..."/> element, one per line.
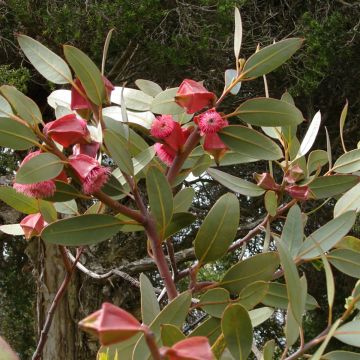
<point x="236" y="184"/>
<point x="218" y="229"/>
<point x="268" y="350"/>
<point x="230" y="76"/>
<point x="174" y="313"/>
<point x="316" y="159"/>
<point x="330" y="283"/>
<point x="237" y="34"/>
<point x="258" y="267"/>
<point x="45" y="166"/>
<point x="218" y="299"/>
<point x="270" y="57"/>
<point x="142" y="159"/>
<point x="201" y="165"/>
<point x="341" y="355"/>
<point x="183" y="200"/>
<point x="277" y="297"/>
<point x="347" y="261"/>
<point x="250" y="142"/>
<point x="178" y="222"/>
<point x="18" y="201"/>
<point x="125" y="348"/>
<point x="48" y="211"/>
<point x="349" y="201"/>
<point x="23" y="105"/>
<point x="260" y="315"/>
<point x="81" y="230"/>
<point x="160" y="198"/>
<point x="148" y="87"/>
<point x="293" y="285"/>
<point x="164" y="103"/>
<point x="12" y="229"/>
<point x="67" y="207"/>
<point x="342" y="123"/>
<point x="269" y="112"/>
<point x="292" y="329"/>
<point x="5" y="108"/>
<point x="170" y="335"/>
<point x="134" y="99"/>
<point x="293" y="232"/>
<point x="349" y="333"/>
<point x="252" y="294"/>
<point x="270" y="200"/>
<point x="119" y="153"/>
<point x="238" y="331"/>
<point x="327" y="236"/>
<point x="16" y="136"/>
<point x="349" y="242"/>
<point x="46" y="62"/>
<point x="348" y="162"/>
<point x="211" y="328"/>
<point x="150" y="307"/>
<point x="328" y="148"/>
<point x="87" y="72"/>
<point x="64" y="192"/>
<point x="328" y="186"/>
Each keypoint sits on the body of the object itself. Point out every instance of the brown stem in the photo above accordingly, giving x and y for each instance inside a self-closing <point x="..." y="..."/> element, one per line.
<point x="171" y="253"/>
<point x="151" y="343"/>
<point x="59" y="295"/>
<point x="179" y="160"/>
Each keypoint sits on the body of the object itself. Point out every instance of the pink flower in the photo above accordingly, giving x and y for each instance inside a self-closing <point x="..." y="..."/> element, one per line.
<point x="193" y="96"/>
<point x="68" y="130"/>
<point x="193" y="348"/>
<point x="299" y="192"/>
<point x="32" y="225"/>
<point x="79" y="102"/>
<point x="111" y="324"/>
<point x="38" y="190"/>
<point x="266" y="181"/>
<point x="165" y="153"/>
<point x="210" y="122"/>
<point x="92" y="175"/>
<point x="87" y="149"/>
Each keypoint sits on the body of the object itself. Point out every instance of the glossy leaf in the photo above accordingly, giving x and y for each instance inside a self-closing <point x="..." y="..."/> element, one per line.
<point x="270" y="200"/>
<point x="258" y="267"/>
<point x="292" y="328"/>
<point x="12" y="229"/>
<point x="237" y="34"/>
<point x="328" y="186"/>
<point x="23" y="105"/>
<point x="327" y="236"/>
<point x="81" y="230"/>
<point x="277" y="297"/>
<point x="260" y="315"/>
<point x="141" y="118"/>
<point x="46" y="62"/>
<point x="238" y="332"/>
<point x="250" y="142"/>
<point x="268" y="350"/>
<point x="5" y="108"/>
<point x="170" y="335"/>
<point x="349" y="333"/>
<point x="235" y="184"/>
<point x="48" y="211"/>
<point x="87" y="72"/>
<point x="218" y="229"/>
<point x="253" y="294"/>
<point x="150" y="307"/>
<point x="45" y="166"/>
<point x="134" y="99"/>
<point x="119" y="153"/>
<point x="16" y="136"/>
<point x="270" y="57"/>
<point x="141" y="160"/>
<point x="64" y="192"/>
<point x="349" y="242"/>
<point x="201" y="165"/>
<point x="183" y="200"/>
<point x="316" y="159"/>
<point x="293" y="232"/>
<point x="211" y="328"/>
<point x="349" y="201"/>
<point x="220" y="299"/>
<point x="148" y="87"/>
<point x="164" y="103"/>
<point x="160" y="198"/>
<point x="348" y="162"/>
<point x="67" y="207"/>
<point x="178" y="222"/>
<point x="18" y="201"/>
<point x="347" y="261"/>
<point x="342" y="123"/>
<point x="341" y="355"/>
<point x="269" y="112"/>
<point x="174" y="313"/>
<point x="230" y="76"/>
<point x="293" y="284"/>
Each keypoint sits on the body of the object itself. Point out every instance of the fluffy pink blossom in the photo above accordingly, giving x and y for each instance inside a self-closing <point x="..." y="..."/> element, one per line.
<point x="162" y="126"/>
<point x="210" y="122"/>
<point x="92" y="175"/>
<point x="165" y="153"/>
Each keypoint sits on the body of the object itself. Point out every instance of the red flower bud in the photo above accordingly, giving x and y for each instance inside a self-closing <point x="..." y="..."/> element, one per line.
<point x="32" y="225"/>
<point x="68" y="130"/>
<point x="92" y="175"/>
<point x="79" y="102"/>
<point x="193" y="96"/>
<point x="214" y="145"/>
<point x="299" y="192"/>
<point x="294" y="174"/>
<point x="266" y="181"/>
<point x="111" y="324"/>
<point x="87" y="149"/>
<point x="193" y="348"/>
